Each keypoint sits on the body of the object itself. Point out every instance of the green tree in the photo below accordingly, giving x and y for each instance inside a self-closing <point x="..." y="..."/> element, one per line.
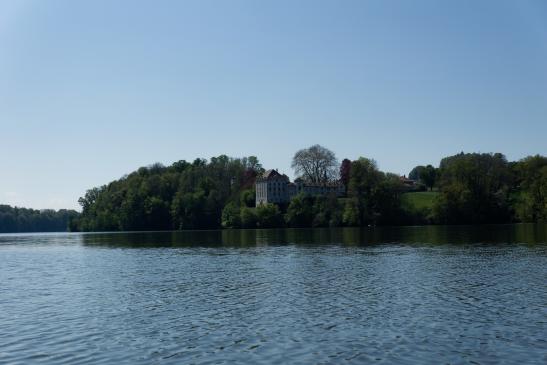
<point x="416" y="173"/>
<point x="187" y="210"/>
<point x="364" y="180"/>
<point x="387" y="200"/>
<point x="351" y="216"/>
<point x="531" y="189"/>
<point x="248" y="217"/>
<point x="248" y="198"/>
<point x="231" y="216"/>
<point x="428" y="176"/>
<point x="157" y="213"/>
<point x="474" y="189"/>
<point x="269" y="216"/>
<point x="300" y="211"/>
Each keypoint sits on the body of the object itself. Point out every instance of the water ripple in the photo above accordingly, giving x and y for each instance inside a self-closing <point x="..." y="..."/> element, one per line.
<point x="67" y="302"/>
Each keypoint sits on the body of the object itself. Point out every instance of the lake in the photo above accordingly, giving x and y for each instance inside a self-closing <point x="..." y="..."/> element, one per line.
<point x="313" y="296"/>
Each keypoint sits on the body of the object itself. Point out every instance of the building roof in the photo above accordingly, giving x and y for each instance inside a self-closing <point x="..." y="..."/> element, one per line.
<point x="406" y="180"/>
<point x="272" y="174"/>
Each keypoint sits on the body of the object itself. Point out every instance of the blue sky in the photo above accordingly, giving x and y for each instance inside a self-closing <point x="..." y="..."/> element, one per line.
<point x="91" y="90"/>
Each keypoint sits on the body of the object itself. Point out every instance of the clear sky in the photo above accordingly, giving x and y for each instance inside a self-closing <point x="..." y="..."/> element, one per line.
<point x="91" y="90"/>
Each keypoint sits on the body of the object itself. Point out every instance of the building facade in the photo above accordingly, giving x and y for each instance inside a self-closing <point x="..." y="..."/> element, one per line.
<point x="273" y="187"/>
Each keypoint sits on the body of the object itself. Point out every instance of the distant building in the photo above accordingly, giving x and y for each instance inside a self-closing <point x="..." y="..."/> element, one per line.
<point x="409" y="184"/>
<point x="273" y="187"/>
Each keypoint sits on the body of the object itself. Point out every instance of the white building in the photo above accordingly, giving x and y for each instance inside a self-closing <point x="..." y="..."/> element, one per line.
<point x="273" y="187"/>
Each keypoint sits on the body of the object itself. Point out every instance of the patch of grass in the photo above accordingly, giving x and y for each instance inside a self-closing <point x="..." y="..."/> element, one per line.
<point x="419" y="200"/>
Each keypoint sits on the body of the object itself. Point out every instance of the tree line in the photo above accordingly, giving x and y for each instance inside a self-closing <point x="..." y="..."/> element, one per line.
<point x="469" y="188"/>
<point x="13" y="219"/>
<point x="185" y="195"/>
<point x="486" y="188"/>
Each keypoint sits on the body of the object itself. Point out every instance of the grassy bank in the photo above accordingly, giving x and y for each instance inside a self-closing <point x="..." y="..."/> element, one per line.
<point x="419" y="200"/>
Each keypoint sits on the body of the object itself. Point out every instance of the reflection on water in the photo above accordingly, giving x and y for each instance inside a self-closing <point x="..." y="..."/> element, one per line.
<point x="382" y="295"/>
<point x="425" y="235"/>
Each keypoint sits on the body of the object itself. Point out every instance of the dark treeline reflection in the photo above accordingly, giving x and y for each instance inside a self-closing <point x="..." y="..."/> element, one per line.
<point x="423" y="235"/>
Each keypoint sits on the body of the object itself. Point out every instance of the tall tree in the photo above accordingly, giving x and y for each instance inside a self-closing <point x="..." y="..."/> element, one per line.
<point x="531" y="184"/>
<point x="416" y="173"/>
<point x="364" y="180"/>
<point x="474" y="189"/>
<point x="428" y="176"/>
<point x="345" y="170"/>
<point x="315" y="164"/>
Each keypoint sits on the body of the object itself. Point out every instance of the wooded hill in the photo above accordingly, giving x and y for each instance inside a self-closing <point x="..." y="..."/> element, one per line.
<point x="471" y="189"/>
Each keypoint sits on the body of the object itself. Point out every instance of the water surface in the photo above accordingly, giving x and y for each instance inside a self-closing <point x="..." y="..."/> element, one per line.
<point x="323" y="296"/>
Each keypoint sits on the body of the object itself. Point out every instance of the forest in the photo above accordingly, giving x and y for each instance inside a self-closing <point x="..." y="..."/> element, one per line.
<point x="13" y="219"/>
<point x="467" y="188"/>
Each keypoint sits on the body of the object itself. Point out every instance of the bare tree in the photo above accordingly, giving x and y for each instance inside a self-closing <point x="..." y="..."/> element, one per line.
<point x="315" y="164"/>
